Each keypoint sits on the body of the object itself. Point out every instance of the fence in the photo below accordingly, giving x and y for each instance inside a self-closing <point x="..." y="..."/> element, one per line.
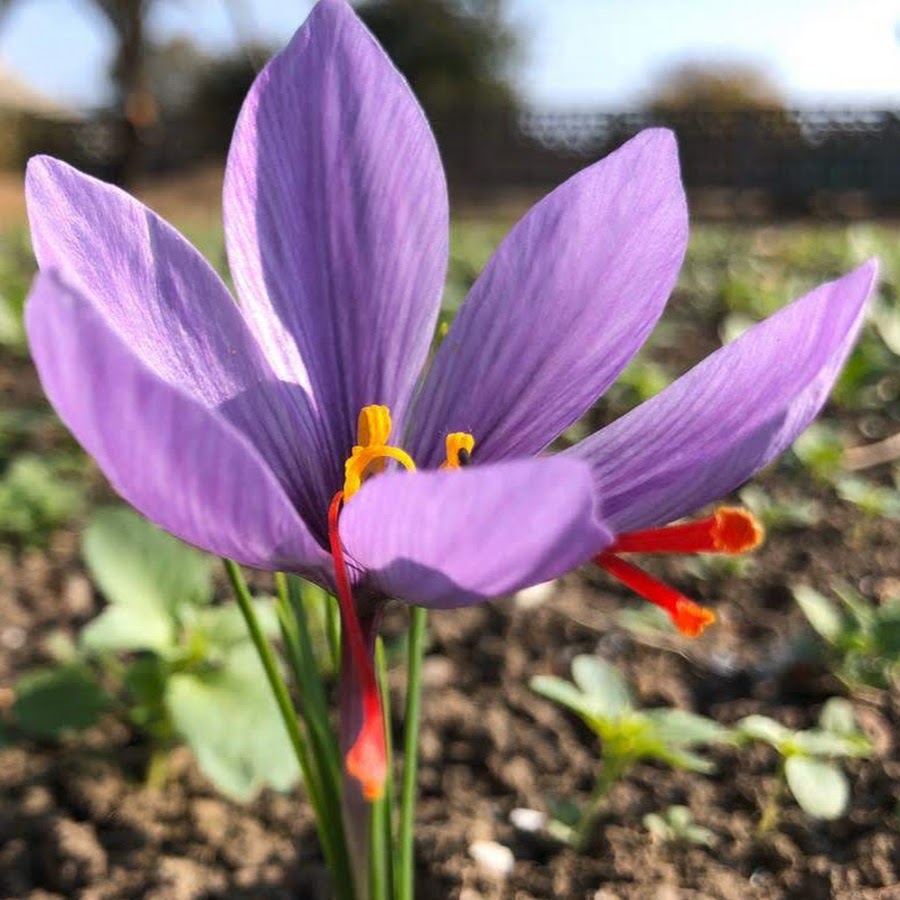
<point x="774" y="162"/>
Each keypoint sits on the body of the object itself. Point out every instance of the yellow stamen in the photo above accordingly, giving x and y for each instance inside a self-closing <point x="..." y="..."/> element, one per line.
<point x="459" y="449"/>
<point x="370" y="454"/>
<point x="373" y="427"/>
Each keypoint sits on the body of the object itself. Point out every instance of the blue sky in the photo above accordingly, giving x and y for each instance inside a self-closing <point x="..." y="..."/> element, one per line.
<point x="577" y="52"/>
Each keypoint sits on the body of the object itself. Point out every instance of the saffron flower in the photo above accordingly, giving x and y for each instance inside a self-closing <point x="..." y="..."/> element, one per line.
<point x="294" y="430"/>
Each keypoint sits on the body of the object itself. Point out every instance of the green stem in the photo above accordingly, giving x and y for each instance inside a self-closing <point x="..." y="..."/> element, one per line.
<point x="157" y="768"/>
<point x="309" y="679"/>
<point x="613" y="769"/>
<point x="771" y="812"/>
<point x="382" y="827"/>
<point x="333" y="629"/>
<point x="327" y="820"/>
<point x="416" y="639"/>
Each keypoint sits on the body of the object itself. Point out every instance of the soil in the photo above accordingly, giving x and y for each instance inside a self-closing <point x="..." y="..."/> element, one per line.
<point x="76" y="822"/>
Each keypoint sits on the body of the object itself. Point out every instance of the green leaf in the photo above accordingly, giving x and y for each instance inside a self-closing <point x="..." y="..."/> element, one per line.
<point x="837" y="717"/>
<point x="762" y="728"/>
<point x="821" y="450"/>
<point x="50" y="702"/>
<point x="682" y="728"/>
<point x="684" y="759"/>
<point x="231" y="721"/>
<point x="824" y="743"/>
<point x="224" y="626"/>
<point x="603" y="684"/>
<point x="146" y="575"/>
<point x="820" y="788"/>
<point x="34" y="500"/>
<point x="563" y="692"/>
<point x="123" y="628"/>
<point x="873" y="499"/>
<point x="822" y="614"/>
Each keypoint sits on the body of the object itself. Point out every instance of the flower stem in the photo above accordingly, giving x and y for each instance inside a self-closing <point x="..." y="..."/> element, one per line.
<point x="416" y="648"/>
<point x="328" y="824"/>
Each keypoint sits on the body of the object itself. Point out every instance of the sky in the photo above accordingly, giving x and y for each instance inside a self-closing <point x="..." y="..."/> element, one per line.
<point x="599" y="53"/>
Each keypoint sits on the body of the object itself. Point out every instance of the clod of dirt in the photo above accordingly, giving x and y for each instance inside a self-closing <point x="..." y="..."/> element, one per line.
<point x="72" y="856"/>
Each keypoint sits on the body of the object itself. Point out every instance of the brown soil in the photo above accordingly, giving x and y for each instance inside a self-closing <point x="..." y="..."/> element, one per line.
<point x="75" y="821"/>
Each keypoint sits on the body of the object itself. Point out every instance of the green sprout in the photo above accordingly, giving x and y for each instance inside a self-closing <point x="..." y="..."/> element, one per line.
<point x="165" y="659"/>
<point x="36" y="499"/>
<point x="628" y="735"/>
<point x="821" y="450"/>
<point x="807" y="760"/>
<point x="677" y="826"/>
<point x="862" y="639"/>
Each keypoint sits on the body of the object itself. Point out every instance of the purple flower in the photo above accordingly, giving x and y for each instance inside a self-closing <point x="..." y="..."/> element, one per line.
<point x="239" y="427"/>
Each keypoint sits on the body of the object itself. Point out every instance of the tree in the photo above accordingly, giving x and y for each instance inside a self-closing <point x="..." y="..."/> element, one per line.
<point x="456" y="54"/>
<point x="714" y="87"/>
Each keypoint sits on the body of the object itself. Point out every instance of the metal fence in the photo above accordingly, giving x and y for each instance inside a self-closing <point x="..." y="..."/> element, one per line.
<point x="770" y="162"/>
<point x="779" y="162"/>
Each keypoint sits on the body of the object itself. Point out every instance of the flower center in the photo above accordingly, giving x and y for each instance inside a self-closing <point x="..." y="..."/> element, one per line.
<point x="727" y="530"/>
<point x="372" y="451"/>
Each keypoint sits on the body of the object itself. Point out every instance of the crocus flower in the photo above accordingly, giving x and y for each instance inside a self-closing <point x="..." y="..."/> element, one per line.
<point x="289" y="431"/>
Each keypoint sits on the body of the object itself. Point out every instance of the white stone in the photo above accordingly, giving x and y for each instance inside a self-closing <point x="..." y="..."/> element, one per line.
<point x="530" y="820"/>
<point x="536" y="595"/>
<point x="494" y="860"/>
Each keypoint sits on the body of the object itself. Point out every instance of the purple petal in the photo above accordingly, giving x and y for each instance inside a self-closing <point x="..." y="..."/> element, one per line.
<point x="173" y="312"/>
<point x="174" y="460"/>
<point x="336" y="223"/>
<point x="453" y="537"/>
<point x="729" y="416"/>
<point x="564" y="304"/>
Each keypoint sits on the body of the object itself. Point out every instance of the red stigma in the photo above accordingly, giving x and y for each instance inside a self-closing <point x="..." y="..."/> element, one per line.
<point x="727" y="530"/>
<point x="689" y="617"/>
<point x="366" y="760"/>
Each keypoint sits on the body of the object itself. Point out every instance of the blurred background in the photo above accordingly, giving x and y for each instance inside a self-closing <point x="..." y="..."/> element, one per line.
<point x="782" y="107"/>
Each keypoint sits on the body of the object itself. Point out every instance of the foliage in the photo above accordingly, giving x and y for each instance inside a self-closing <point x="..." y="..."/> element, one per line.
<point x="676" y="825"/>
<point x="454" y="54"/>
<point x="166" y="659"/>
<point x="601" y="698"/>
<point x="862" y="639"/>
<point x="36" y="498"/>
<point x="817" y="783"/>
<point x="16" y="270"/>
<point x="710" y="87"/>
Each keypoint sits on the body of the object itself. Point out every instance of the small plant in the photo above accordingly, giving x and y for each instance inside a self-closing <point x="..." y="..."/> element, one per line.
<point x="862" y="638"/>
<point x="821" y="450"/>
<point x="676" y="825"/>
<point x="779" y="515"/>
<point x="35" y="499"/>
<point x="807" y="760"/>
<point x="601" y="698"/>
<point x="165" y="659"/>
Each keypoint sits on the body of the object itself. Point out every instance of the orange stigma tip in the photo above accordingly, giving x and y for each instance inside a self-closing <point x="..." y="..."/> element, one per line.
<point x="727" y="530"/>
<point x="736" y="530"/>
<point x="688" y="617"/>
<point x="366" y="760"/>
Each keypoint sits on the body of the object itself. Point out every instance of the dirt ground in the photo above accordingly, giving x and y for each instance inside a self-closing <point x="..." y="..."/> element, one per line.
<point x="75" y="821"/>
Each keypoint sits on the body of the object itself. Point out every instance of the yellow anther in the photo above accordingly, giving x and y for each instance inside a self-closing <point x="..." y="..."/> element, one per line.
<point x="373" y="427"/>
<point x="459" y="449"/>
<point x="372" y="451"/>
